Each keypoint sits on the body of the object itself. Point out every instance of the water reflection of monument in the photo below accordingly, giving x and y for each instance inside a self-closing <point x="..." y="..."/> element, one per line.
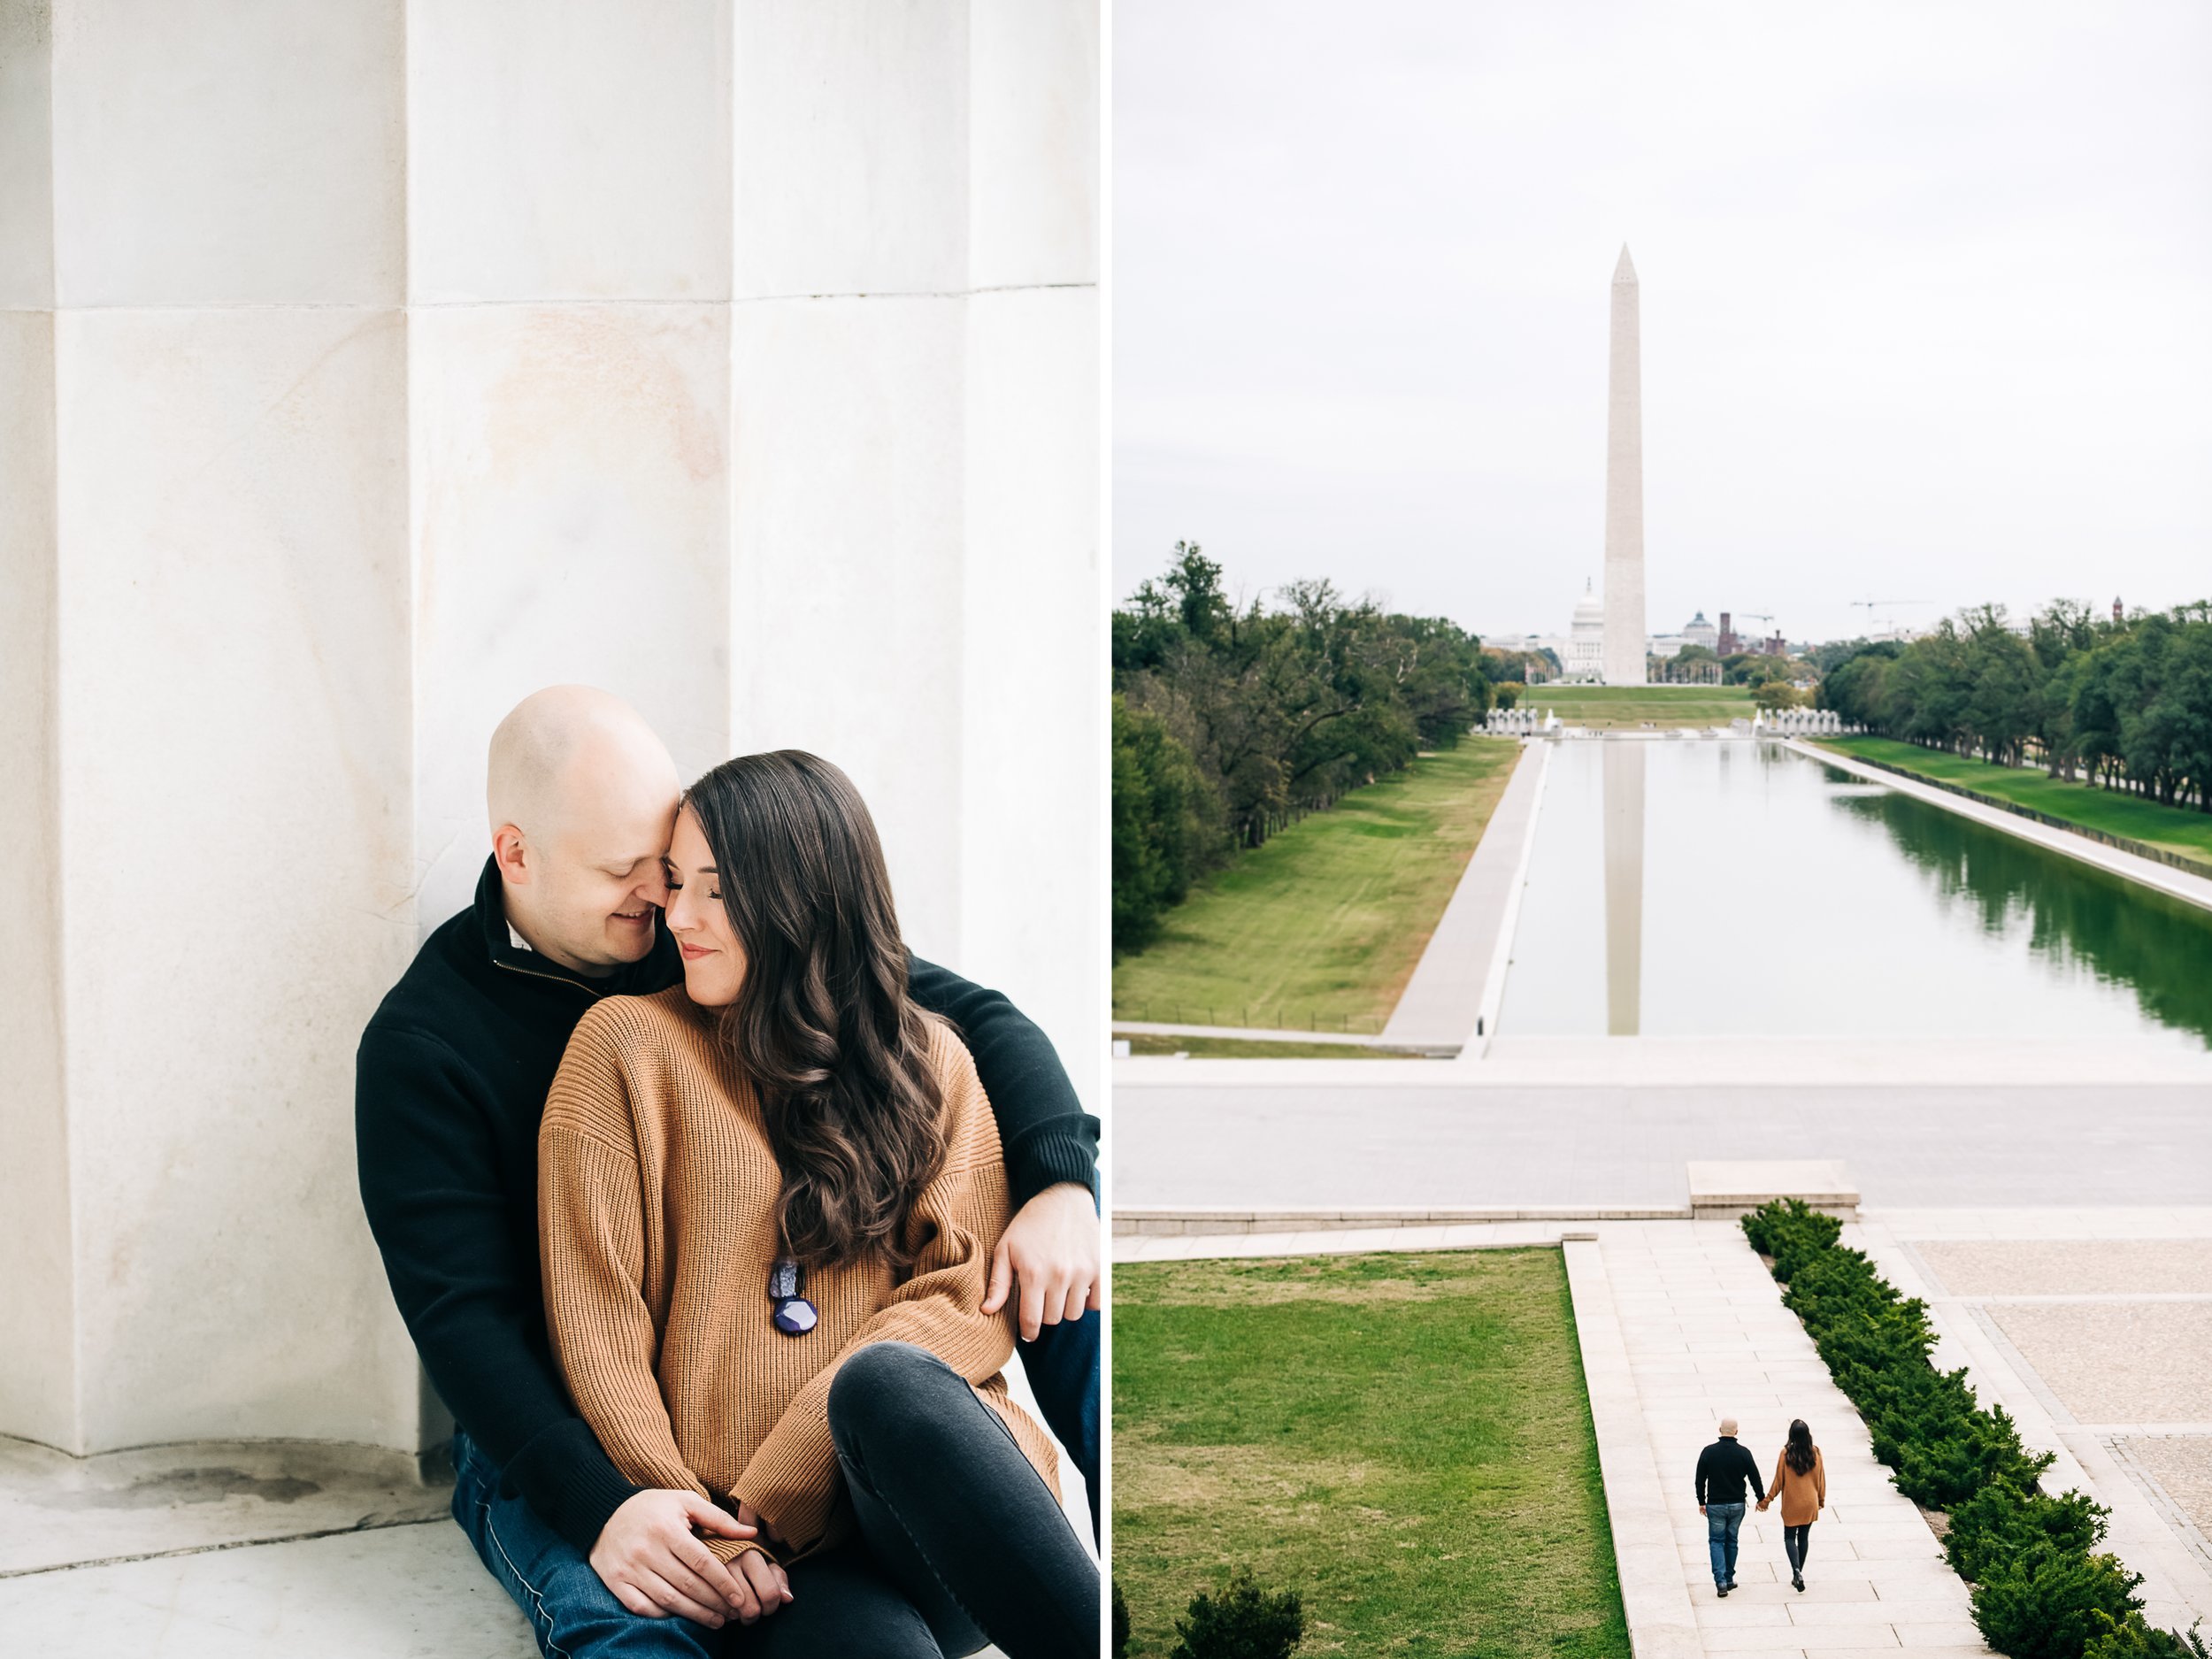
<point x="1623" y="781"/>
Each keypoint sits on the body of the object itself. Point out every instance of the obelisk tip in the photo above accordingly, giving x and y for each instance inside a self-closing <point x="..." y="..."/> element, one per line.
<point x="1625" y="272"/>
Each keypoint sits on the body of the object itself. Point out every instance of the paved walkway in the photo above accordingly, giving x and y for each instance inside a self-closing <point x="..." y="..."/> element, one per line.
<point x="1453" y="984"/>
<point x="1706" y="1337"/>
<point x="2091" y="1327"/>
<point x="1421" y="1139"/>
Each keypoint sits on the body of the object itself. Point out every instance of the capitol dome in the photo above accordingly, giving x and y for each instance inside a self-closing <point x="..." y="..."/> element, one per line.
<point x="1586" y="640"/>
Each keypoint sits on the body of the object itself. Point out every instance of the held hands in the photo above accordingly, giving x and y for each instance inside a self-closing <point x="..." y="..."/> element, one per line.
<point x="1051" y="1248"/>
<point x="649" y="1557"/>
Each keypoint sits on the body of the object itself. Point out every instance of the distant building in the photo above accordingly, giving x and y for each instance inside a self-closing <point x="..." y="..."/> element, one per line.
<point x="1698" y="631"/>
<point x="1725" y="640"/>
<point x="1584" y="660"/>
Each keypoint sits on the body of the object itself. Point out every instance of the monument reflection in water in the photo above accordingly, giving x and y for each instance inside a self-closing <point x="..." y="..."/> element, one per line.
<point x="1698" y="886"/>
<point x="1623" y="809"/>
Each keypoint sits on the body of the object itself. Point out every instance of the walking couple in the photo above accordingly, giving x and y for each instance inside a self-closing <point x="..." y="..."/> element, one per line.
<point x="712" y="1214"/>
<point x="1800" y="1482"/>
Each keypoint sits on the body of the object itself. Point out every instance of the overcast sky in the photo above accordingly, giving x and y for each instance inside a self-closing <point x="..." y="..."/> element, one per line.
<point x="1927" y="301"/>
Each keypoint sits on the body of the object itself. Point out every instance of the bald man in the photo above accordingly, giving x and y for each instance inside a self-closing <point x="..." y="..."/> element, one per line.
<point x="451" y="1080"/>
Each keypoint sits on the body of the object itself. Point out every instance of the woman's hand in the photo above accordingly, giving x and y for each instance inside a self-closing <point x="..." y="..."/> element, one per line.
<point x="1051" y="1248"/>
<point x="770" y="1585"/>
<point x="765" y="1585"/>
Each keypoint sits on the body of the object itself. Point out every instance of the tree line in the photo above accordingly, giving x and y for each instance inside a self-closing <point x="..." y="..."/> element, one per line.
<point x="1230" y="722"/>
<point x="2126" y="703"/>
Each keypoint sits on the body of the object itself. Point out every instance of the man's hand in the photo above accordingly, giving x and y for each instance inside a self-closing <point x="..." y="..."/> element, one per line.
<point x="1701" y="1508"/>
<point x="1051" y="1247"/>
<point x="655" y="1564"/>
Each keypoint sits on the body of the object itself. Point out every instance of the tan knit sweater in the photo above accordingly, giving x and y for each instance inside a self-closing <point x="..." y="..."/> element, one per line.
<point x="658" y="1192"/>
<point x="1802" y="1495"/>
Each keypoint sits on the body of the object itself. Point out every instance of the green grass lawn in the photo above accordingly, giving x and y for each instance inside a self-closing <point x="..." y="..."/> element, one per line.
<point x="2176" y="829"/>
<point x="1247" y="1049"/>
<point x="1404" y="1440"/>
<point x="1321" y="926"/>
<point x="1615" y="707"/>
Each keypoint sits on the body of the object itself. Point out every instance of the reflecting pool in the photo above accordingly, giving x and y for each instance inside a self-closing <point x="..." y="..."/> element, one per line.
<point x="1703" y="887"/>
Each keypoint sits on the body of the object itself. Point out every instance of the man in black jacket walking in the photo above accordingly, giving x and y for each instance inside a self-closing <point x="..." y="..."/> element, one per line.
<point x="1723" y="1469"/>
<point x="451" y="1080"/>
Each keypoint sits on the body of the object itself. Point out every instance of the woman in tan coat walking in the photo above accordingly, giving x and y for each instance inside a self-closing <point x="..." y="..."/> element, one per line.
<point x="1800" y="1482"/>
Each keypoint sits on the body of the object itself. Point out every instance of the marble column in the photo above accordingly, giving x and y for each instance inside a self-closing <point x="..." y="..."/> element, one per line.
<point x="1624" y="636"/>
<point x="363" y="367"/>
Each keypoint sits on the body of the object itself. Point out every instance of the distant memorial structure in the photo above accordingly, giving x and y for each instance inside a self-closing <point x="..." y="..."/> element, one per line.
<point x="1625" y="490"/>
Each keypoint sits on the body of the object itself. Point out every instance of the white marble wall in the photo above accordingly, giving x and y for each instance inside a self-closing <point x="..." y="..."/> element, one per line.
<point x="363" y="366"/>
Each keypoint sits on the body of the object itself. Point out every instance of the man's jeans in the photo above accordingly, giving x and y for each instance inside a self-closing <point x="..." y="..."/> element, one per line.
<point x="1723" y="1521"/>
<point x="1063" y="1369"/>
<point x="570" y="1612"/>
<point x="574" y="1616"/>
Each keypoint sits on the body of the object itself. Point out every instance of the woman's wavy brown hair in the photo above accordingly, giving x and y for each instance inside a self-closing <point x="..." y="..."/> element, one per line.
<point x="1798" y="1453"/>
<point x="823" y="1027"/>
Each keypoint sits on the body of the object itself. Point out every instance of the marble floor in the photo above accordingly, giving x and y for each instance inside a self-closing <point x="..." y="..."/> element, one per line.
<point x="255" y="1550"/>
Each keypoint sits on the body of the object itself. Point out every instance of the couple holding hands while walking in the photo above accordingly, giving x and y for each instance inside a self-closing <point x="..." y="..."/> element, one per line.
<point x="1800" y="1482"/>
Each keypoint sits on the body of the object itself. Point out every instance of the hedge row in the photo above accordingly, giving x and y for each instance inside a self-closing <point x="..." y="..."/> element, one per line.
<point x="2041" y="1588"/>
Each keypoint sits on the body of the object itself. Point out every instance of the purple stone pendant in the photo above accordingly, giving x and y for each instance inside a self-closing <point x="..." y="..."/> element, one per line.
<point x="794" y="1315"/>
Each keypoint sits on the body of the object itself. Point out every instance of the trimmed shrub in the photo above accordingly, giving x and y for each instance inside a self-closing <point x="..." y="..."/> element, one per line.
<point x="1925" y="1423"/>
<point x="2047" y="1602"/>
<point x="2133" y="1638"/>
<point x="1244" y="1621"/>
<point x="2002" y="1520"/>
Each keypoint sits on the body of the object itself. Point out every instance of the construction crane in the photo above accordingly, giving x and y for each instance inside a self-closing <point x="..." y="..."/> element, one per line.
<point x="1868" y="605"/>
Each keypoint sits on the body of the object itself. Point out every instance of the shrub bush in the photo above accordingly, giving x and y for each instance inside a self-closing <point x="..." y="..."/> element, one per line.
<point x="1244" y="1621"/>
<point x="2131" y="1639"/>
<point x="2039" y="1591"/>
<point x="2046" y="1602"/>
<point x="2002" y="1520"/>
<point x="1121" y="1624"/>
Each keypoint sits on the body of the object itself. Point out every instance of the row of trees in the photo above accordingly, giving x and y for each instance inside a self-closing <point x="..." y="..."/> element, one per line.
<point x="1231" y="721"/>
<point x="2127" y="703"/>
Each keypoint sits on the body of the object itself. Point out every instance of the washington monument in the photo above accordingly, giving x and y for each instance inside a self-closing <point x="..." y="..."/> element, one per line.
<point x="1624" y="490"/>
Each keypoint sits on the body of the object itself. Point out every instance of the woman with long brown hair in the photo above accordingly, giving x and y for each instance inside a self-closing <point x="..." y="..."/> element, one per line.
<point x="1800" y="1481"/>
<point x="768" y="1201"/>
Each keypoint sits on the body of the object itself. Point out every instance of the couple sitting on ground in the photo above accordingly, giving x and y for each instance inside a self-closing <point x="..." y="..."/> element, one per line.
<point x="670" y="1126"/>
<point x="1800" y="1481"/>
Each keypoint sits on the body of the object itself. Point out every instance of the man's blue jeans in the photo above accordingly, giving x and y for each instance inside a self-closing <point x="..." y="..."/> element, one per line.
<point x="572" y="1613"/>
<point x="1723" y="1522"/>
<point x="1063" y="1369"/>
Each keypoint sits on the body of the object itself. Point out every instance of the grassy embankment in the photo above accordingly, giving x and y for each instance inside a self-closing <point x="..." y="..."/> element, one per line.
<point x="1320" y="928"/>
<point x="1254" y="1049"/>
<point x="1405" y="1441"/>
<point x="2174" y="829"/>
<point x="1629" y="708"/>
